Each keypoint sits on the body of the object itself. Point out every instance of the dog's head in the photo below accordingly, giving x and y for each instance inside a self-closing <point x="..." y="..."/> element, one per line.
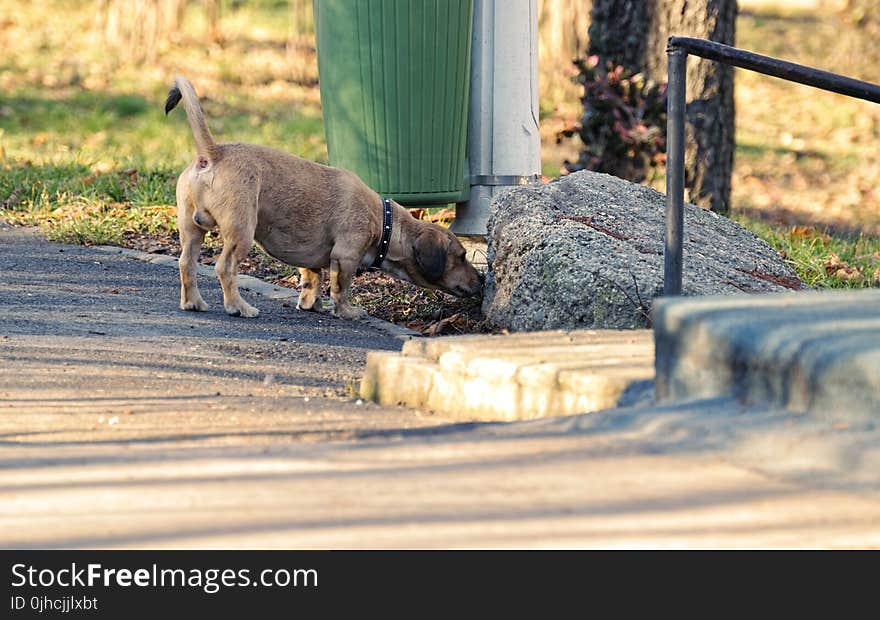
<point x="441" y="262"/>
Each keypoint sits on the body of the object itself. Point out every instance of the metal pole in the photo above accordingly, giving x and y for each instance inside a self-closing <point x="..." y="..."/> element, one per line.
<point x="504" y="144"/>
<point x="675" y="109"/>
<point x="777" y="68"/>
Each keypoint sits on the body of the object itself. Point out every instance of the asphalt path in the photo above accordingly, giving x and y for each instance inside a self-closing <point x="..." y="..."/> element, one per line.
<point x="87" y="332"/>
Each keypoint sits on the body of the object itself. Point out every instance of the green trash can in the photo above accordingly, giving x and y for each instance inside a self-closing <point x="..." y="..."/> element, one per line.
<point x="394" y="78"/>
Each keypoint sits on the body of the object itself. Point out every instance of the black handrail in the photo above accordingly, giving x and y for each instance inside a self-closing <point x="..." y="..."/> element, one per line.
<point x="677" y="50"/>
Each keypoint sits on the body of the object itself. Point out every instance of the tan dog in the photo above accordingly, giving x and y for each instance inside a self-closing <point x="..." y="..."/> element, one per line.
<point x="302" y="213"/>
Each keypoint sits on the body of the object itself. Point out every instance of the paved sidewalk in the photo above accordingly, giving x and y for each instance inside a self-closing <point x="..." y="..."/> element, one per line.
<point x="125" y="422"/>
<point x="662" y="478"/>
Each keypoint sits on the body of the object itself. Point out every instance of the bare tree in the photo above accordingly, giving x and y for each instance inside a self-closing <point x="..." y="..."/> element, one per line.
<point x="301" y="41"/>
<point x="618" y="31"/>
<point x="212" y="11"/>
<point x="137" y="27"/>
<point x="562" y="37"/>
<point x="633" y="33"/>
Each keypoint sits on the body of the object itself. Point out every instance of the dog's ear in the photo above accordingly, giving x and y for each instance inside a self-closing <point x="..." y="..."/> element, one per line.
<point x="429" y="250"/>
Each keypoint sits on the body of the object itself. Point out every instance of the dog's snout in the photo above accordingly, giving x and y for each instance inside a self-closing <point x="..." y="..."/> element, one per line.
<point x="474" y="289"/>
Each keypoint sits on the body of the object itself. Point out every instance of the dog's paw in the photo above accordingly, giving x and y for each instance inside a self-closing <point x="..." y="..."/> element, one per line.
<point x="244" y="310"/>
<point x="350" y="312"/>
<point x="313" y="305"/>
<point x="199" y="305"/>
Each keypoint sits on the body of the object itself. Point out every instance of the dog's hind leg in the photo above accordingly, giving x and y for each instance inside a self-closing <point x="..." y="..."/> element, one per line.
<point x="191" y="238"/>
<point x="236" y="245"/>
<point x="341" y="271"/>
<point x="310" y="290"/>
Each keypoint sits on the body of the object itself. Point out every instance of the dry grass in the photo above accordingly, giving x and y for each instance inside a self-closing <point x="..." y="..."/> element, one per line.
<point x="804" y="156"/>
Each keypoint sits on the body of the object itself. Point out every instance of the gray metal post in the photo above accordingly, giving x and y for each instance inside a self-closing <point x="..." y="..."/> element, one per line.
<point x="504" y="146"/>
<point x="675" y="118"/>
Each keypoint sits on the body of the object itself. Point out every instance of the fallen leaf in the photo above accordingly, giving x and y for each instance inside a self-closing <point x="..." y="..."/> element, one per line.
<point x="440" y="326"/>
<point x="807" y="232"/>
<point x="838" y="268"/>
<point x="444" y="215"/>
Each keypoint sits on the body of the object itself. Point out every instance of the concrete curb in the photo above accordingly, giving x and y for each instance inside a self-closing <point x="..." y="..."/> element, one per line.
<point x="515" y="377"/>
<point x="254" y="285"/>
<point x="807" y="352"/>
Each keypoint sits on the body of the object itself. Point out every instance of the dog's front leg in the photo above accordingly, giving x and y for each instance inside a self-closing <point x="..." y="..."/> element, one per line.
<point x="235" y="248"/>
<point x="310" y="290"/>
<point x="341" y="271"/>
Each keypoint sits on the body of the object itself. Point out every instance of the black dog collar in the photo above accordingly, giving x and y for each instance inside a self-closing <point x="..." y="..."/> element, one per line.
<point x="384" y="242"/>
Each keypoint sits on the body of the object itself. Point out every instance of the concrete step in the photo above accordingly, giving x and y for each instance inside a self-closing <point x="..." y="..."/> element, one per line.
<point x="516" y="376"/>
<point x="808" y="352"/>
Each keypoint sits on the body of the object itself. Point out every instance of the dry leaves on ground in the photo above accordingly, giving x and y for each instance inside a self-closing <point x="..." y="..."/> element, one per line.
<point x="838" y="268"/>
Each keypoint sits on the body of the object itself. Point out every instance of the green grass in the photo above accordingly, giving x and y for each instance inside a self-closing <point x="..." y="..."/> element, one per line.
<point x="71" y="158"/>
<point x="811" y="253"/>
<point x="73" y="204"/>
<point x="86" y="150"/>
<point x="125" y="131"/>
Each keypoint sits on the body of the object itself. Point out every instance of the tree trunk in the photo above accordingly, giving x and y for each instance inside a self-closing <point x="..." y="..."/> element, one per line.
<point x="617" y="32"/>
<point x="562" y="37"/>
<point x="633" y="33"/>
<point x="301" y="41"/>
<point x="134" y="29"/>
<point x="710" y="109"/>
<point x="212" y="12"/>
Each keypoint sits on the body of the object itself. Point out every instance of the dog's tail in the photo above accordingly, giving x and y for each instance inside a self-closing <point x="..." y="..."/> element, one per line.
<point x="183" y="89"/>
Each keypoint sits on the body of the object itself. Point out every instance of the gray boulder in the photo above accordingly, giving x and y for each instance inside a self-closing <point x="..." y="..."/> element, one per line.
<point x="586" y="251"/>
